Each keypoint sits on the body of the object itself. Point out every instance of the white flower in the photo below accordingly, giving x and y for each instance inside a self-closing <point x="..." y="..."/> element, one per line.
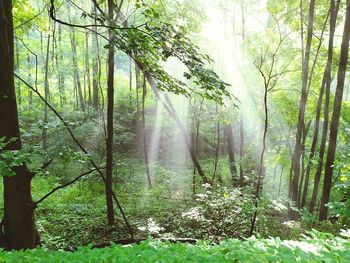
<point x="151" y="227"/>
<point x="193" y="214"/>
<point x="206" y="185"/>
<point x="201" y="197"/>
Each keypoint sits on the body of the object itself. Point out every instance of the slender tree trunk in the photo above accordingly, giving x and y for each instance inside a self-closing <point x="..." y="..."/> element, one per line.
<point x="95" y="68"/>
<point x="241" y="120"/>
<point x="241" y="151"/>
<point x="19" y="95"/>
<point x="196" y="123"/>
<point x="275" y="168"/>
<point x="196" y="150"/>
<point x="280" y="184"/>
<point x="145" y="148"/>
<point x="139" y="129"/>
<point x="130" y="86"/>
<point x="87" y="67"/>
<point x="317" y="121"/>
<point x="30" y="93"/>
<point x="76" y="71"/>
<point x="231" y="155"/>
<point x="261" y="166"/>
<point x="18" y="222"/>
<point x="137" y="77"/>
<point x="305" y="131"/>
<point x="110" y="108"/>
<point x="60" y="68"/>
<point x="326" y="82"/>
<point x="343" y="60"/>
<point x="302" y="107"/>
<point x="47" y="93"/>
<point x="217" y="148"/>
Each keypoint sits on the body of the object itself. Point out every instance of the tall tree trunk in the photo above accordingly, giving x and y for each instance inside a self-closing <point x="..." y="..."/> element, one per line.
<point x="139" y="127"/>
<point x="241" y="151"/>
<point x="317" y="120"/>
<point x="302" y="107"/>
<point x="87" y="67"/>
<point x="110" y="107"/>
<point x="30" y="93"/>
<point x="60" y="68"/>
<point x="305" y="131"/>
<point x="241" y="120"/>
<point x="19" y="225"/>
<point x="47" y="92"/>
<point x="231" y="155"/>
<point x="130" y="86"/>
<point x="196" y="151"/>
<point x="280" y="184"/>
<point x="145" y="148"/>
<point x="95" y="68"/>
<point x="76" y="70"/>
<point x="326" y="82"/>
<point x="217" y="146"/>
<point x="261" y="165"/>
<point x="343" y="60"/>
<point x="19" y="95"/>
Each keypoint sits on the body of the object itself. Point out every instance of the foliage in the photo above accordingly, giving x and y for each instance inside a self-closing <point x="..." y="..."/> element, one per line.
<point x="316" y="247"/>
<point x="10" y="159"/>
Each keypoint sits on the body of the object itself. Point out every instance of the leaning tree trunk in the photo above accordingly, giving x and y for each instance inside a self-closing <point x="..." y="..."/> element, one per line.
<point x="335" y="117"/>
<point x="18" y="222"/>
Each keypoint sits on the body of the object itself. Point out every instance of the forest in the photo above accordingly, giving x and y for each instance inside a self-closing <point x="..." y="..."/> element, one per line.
<point x="174" y="131"/>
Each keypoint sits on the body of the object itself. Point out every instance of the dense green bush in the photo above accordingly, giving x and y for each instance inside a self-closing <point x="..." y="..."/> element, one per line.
<point x="317" y="247"/>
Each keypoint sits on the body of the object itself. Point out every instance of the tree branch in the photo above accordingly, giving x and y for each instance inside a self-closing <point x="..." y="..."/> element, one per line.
<point x="65" y="185"/>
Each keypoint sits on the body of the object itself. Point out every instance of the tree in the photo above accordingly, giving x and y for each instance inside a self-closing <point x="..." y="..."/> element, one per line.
<point x="231" y="155"/>
<point x="337" y="104"/>
<point x="18" y="222"/>
<point x="302" y="106"/>
<point x="110" y="107"/>
<point x="326" y="86"/>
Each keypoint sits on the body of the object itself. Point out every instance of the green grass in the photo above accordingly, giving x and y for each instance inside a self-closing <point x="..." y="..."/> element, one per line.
<point x="319" y="248"/>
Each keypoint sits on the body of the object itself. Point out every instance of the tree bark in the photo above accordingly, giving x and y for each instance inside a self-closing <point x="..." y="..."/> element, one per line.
<point x="344" y="52"/>
<point x="19" y="224"/>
